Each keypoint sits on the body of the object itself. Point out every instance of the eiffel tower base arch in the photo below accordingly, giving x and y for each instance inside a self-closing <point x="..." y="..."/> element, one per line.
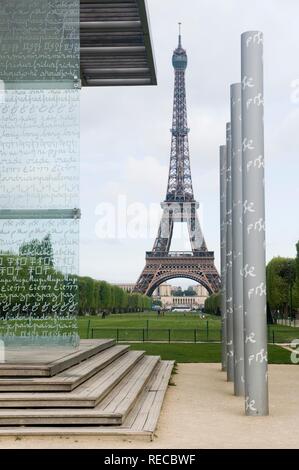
<point x="161" y="267"/>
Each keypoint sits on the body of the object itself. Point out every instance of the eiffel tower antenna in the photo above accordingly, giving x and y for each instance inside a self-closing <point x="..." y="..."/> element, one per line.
<point x="179" y="205"/>
<point x="180" y="34"/>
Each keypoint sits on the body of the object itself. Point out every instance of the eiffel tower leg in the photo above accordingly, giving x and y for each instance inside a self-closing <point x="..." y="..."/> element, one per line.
<point x="195" y="234"/>
<point x="161" y="245"/>
<point x="163" y="240"/>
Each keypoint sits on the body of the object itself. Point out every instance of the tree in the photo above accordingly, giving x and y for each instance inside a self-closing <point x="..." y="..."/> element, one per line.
<point x="296" y="286"/>
<point x="105" y="295"/>
<point x="288" y="273"/>
<point x="26" y="289"/>
<point x="212" y="304"/>
<point x="47" y="249"/>
<point x="297" y="261"/>
<point x="39" y="249"/>
<point x="189" y="292"/>
<point x="280" y="276"/>
<point x="31" y="286"/>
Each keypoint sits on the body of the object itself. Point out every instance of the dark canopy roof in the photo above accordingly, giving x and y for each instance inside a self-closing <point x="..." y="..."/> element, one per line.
<point x="116" y="46"/>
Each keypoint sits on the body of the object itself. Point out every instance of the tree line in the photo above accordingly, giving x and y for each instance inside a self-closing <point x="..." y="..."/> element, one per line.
<point x="31" y="285"/>
<point x="283" y="286"/>
<point x="101" y="297"/>
<point x="282" y="275"/>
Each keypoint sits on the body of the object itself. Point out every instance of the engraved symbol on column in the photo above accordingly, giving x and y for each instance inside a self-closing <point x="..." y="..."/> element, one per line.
<point x="250" y="338"/>
<point x="248" y="207"/>
<point x="247" y="82"/>
<point x="250" y="293"/>
<point x="248" y="271"/>
<point x="258" y="38"/>
<point x="261" y="289"/>
<point x="256" y="163"/>
<point x="261" y="356"/>
<point x="256" y="100"/>
<point x="258" y="225"/>
<point x="250" y="404"/>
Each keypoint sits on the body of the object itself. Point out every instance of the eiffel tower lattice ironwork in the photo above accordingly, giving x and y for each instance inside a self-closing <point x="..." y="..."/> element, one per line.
<point x="179" y="206"/>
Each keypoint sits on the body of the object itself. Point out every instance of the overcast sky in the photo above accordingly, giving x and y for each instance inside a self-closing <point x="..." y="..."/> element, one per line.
<point x="125" y="138"/>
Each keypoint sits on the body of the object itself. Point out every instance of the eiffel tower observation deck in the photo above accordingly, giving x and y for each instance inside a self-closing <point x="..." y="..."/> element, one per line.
<point x="179" y="205"/>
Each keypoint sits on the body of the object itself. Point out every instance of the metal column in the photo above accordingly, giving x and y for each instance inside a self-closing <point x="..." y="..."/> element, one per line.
<point x="254" y="273"/>
<point x="223" y="254"/>
<point x="237" y="237"/>
<point x="229" y="278"/>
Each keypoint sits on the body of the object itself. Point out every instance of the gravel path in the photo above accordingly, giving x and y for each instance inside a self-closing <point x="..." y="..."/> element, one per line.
<point x="201" y="412"/>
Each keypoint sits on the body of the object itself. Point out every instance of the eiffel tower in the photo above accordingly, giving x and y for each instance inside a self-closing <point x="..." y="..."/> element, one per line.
<point x="179" y="206"/>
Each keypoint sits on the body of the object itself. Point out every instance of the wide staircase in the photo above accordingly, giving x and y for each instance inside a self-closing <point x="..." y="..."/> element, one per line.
<point x="101" y="388"/>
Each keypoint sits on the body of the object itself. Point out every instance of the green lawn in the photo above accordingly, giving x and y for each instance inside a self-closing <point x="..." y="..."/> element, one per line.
<point x="140" y="320"/>
<point x="190" y="337"/>
<point x="169" y="320"/>
<point x="182" y="352"/>
<point x="149" y="326"/>
<point x="172" y="327"/>
<point x="203" y="352"/>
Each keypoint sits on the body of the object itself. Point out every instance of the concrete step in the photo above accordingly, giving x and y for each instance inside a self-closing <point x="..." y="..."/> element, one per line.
<point x="141" y="422"/>
<point x="66" y="380"/>
<point x="88" y="394"/>
<point x="111" y="410"/>
<point x="46" y="362"/>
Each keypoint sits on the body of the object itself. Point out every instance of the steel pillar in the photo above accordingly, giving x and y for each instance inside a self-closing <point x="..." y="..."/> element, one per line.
<point x="237" y="238"/>
<point x="223" y="254"/>
<point x="254" y="272"/>
<point x="229" y="277"/>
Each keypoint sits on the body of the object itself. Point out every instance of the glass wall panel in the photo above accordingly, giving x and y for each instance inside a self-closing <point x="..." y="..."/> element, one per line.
<point x="39" y="40"/>
<point x="39" y="149"/>
<point x="39" y="177"/>
<point x="38" y="281"/>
